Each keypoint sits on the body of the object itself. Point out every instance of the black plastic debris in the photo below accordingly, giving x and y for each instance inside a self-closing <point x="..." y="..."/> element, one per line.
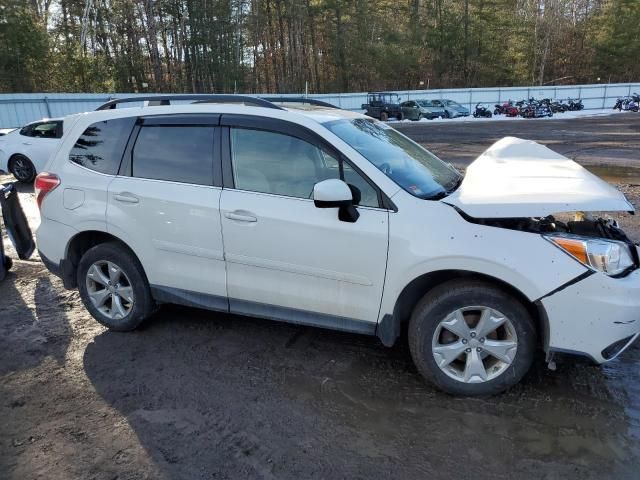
<point x="17" y="226"/>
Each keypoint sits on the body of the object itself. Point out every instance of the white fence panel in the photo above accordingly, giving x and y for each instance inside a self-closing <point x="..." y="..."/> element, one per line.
<point x="18" y="109"/>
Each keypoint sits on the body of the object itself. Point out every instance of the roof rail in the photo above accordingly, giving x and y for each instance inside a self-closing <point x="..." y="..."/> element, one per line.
<point x="309" y="101"/>
<point x="197" y="98"/>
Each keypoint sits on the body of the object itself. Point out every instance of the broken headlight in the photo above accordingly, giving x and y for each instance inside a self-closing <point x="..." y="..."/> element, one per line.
<point x="608" y="256"/>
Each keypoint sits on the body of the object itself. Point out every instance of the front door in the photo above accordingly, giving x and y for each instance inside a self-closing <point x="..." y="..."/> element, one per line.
<point x="287" y="259"/>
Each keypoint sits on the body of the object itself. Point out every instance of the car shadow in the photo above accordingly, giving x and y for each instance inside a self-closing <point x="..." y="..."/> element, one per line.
<point x="216" y="395"/>
<point x="31" y="332"/>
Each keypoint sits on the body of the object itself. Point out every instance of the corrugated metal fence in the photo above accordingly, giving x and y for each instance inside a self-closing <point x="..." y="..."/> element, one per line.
<point x="20" y="108"/>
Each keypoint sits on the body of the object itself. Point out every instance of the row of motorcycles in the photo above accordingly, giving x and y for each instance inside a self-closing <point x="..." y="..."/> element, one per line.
<point x="628" y="104"/>
<point x="530" y="108"/>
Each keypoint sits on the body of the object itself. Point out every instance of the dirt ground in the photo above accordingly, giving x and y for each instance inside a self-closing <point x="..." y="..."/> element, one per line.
<point x="200" y="395"/>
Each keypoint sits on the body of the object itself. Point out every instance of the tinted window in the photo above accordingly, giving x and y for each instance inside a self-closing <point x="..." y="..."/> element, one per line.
<point x="27" y="130"/>
<point x="101" y="145"/>
<point x="174" y="153"/>
<point x="45" y="130"/>
<point x="271" y="162"/>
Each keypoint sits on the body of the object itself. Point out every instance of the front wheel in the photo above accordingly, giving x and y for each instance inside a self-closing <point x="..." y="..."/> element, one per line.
<point x="470" y="338"/>
<point x="113" y="287"/>
<point x="384" y="116"/>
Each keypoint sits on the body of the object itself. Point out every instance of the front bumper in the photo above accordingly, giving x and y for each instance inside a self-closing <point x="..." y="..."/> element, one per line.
<point x="598" y="317"/>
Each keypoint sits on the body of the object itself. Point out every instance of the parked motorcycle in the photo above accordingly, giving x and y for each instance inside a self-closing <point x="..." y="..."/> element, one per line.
<point x="575" y="105"/>
<point x="507" y="109"/>
<point x="535" y="109"/>
<point x="482" y="111"/>
<point x="627" y="104"/>
<point x="554" y="105"/>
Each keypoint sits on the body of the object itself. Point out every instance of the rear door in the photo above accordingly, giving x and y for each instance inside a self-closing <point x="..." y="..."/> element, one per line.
<point x="44" y="138"/>
<point x="287" y="259"/>
<point x="165" y="204"/>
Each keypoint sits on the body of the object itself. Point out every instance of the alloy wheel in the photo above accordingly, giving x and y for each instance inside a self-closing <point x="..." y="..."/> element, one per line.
<point x="474" y="344"/>
<point x="110" y="289"/>
<point x="22" y="168"/>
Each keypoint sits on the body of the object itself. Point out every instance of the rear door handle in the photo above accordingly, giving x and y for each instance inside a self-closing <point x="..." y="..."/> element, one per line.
<point x="240" y="217"/>
<point x="126" y="197"/>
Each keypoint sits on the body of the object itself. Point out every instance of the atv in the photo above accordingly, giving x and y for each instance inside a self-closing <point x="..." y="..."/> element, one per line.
<point x="383" y="106"/>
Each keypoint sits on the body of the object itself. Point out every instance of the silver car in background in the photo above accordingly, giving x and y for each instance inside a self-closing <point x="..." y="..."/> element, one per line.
<point x="452" y="109"/>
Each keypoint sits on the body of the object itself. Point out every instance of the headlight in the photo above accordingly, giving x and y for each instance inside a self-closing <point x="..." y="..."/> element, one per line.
<point x="608" y="256"/>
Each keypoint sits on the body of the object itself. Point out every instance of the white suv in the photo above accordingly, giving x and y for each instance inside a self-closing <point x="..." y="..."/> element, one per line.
<point x="318" y="216"/>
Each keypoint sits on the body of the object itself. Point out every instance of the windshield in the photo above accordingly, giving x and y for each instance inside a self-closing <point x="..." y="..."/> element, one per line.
<point x="415" y="169"/>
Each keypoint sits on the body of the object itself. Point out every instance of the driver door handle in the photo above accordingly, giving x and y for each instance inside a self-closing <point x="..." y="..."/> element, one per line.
<point x="240" y="217"/>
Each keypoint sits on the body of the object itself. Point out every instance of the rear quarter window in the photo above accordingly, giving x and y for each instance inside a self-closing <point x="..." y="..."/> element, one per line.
<point x="102" y="144"/>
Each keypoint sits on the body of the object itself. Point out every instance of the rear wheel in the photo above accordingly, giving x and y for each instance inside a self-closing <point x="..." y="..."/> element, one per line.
<point x="384" y="116"/>
<point x="113" y="287"/>
<point x="22" y="168"/>
<point x="400" y="116"/>
<point x="471" y="338"/>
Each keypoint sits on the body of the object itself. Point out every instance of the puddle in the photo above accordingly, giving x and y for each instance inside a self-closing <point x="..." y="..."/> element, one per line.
<point x="616" y="174"/>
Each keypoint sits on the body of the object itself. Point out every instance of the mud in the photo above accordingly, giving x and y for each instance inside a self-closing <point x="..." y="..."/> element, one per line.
<point x="199" y="395"/>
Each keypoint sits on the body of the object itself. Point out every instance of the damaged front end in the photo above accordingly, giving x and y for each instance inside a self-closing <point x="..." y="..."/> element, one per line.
<point x="597" y="242"/>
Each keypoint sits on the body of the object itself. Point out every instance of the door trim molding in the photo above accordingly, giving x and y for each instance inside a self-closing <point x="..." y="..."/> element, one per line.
<point x="189" y="298"/>
<point x="301" y="317"/>
<point x="295" y="316"/>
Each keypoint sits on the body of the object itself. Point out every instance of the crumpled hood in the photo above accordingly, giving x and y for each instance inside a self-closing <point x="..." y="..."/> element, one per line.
<point x="521" y="178"/>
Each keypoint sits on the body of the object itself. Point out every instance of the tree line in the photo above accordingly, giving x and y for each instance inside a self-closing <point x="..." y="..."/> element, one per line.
<point x="282" y="46"/>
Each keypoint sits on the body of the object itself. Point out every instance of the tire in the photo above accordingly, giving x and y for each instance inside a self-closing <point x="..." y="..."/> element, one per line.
<point x="141" y="306"/>
<point x="384" y="116"/>
<point x="22" y="168"/>
<point x="496" y="112"/>
<point x="419" y="117"/>
<point x="458" y="295"/>
<point x="400" y="116"/>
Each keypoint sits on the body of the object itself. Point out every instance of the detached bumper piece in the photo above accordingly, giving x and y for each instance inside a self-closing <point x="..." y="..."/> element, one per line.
<point x="16" y="225"/>
<point x="616" y="347"/>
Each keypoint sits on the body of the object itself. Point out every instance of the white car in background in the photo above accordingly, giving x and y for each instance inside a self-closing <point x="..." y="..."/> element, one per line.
<point x="25" y="151"/>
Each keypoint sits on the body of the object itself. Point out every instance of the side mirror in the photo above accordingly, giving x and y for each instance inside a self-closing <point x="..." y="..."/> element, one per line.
<point x="334" y="193"/>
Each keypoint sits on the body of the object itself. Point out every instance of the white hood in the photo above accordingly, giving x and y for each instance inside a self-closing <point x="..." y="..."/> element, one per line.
<point x="521" y="178"/>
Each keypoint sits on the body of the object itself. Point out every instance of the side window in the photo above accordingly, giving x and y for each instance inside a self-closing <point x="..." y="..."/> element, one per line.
<point x="26" y="131"/>
<point x="174" y="153"/>
<point x="101" y="145"/>
<point x="271" y="162"/>
<point x="280" y="164"/>
<point x="45" y="130"/>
